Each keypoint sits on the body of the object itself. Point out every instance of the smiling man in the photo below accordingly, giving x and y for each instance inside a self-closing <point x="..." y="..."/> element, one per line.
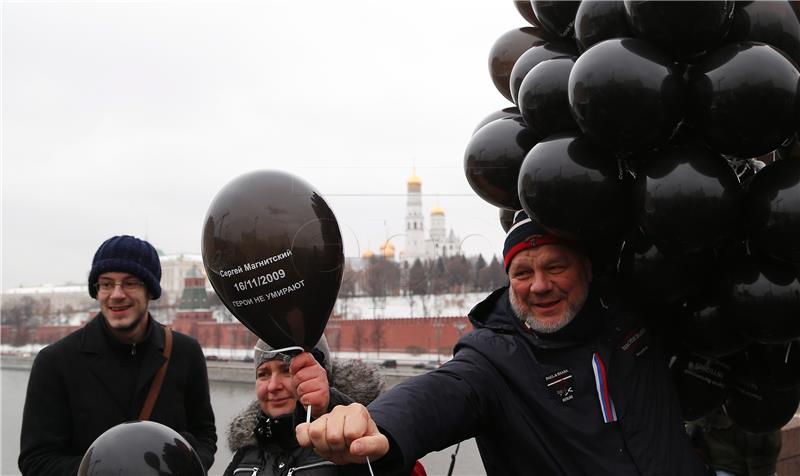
<point x="103" y="374"/>
<point x="555" y="379"/>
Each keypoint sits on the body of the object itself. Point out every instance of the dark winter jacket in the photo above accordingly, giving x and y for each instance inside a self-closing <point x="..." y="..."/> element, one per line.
<point x="88" y="382"/>
<point x="595" y="398"/>
<point x="267" y="446"/>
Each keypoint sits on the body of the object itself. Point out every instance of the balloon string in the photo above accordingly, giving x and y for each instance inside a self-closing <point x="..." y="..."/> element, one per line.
<point x="286" y="349"/>
<point x="308" y="409"/>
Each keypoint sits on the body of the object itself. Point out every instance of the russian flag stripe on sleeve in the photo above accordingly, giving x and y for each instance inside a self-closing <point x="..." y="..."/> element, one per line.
<point x="601" y="382"/>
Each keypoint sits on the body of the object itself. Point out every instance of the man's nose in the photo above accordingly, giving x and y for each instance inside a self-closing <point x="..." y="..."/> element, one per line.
<point x="117" y="293"/>
<point x="541" y="284"/>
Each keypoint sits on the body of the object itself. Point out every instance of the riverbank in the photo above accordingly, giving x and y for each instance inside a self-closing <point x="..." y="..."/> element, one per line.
<point x="222" y="371"/>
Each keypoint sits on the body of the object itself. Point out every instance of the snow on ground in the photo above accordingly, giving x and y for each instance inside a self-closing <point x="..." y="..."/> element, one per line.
<point x="393" y="307"/>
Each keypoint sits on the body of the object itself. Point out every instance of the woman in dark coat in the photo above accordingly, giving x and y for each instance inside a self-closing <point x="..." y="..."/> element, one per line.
<point x="263" y="435"/>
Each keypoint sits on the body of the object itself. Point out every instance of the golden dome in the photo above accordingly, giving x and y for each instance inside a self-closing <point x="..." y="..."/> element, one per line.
<point x="414" y="180"/>
<point x="367" y="254"/>
<point x="437" y="211"/>
<point x="387" y="250"/>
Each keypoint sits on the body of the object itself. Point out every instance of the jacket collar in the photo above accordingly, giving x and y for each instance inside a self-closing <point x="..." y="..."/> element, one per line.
<point x="104" y="364"/>
<point x="95" y="340"/>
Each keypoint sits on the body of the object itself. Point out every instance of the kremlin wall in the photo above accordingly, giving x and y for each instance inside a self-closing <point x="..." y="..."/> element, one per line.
<point x="407" y="336"/>
<point x="414" y="336"/>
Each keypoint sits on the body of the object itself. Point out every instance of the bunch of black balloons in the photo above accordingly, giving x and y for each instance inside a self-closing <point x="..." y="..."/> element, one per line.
<point x="666" y="133"/>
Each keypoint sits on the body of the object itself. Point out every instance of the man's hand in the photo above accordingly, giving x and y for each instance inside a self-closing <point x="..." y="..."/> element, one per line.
<point x="345" y="435"/>
<point x="311" y="382"/>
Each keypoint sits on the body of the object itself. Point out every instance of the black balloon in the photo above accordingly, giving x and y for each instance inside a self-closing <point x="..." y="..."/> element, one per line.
<point x="534" y="56"/>
<point x="596" y="21"/>
<point x="760" y="410"/>
<point x="705" y="327"/>
<point x="526" y="10"/>
<point x="743" y="99"/>
<point x="273" y="252"/>
<point x="649" y="275"/>
<point x="773" y="366"/>
<point x="492" y="160"/>
<point x="557" y="16"/>
<point x="502" y="113"/>
<point x="573" y="188"/>
<point x="790" y="151"/>
<point x="140" y="447"/>
<point x="626" y="95"/>
<point x="765" y="299"/>
<point x="773" y="204"/>
<point x="699" y="382"/>
<point x="543" y="98"/>
<point x="507" y="218"/>
<point x="507" y="49"/>
<point x="691" y="200"/>
<point x="774" y="22"/>
<point x="683" y="29"/>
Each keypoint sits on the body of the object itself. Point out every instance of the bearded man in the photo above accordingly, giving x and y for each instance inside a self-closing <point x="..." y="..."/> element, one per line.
<point x="555" y="379"/>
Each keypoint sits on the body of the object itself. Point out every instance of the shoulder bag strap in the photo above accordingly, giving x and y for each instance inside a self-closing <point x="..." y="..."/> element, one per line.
<point x="155" y="387"/>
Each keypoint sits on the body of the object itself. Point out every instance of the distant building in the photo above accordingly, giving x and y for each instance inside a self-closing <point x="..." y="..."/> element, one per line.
<point x="72" y="296"/>
<point x="175" y="268"/>
<point x="439" y="242"/>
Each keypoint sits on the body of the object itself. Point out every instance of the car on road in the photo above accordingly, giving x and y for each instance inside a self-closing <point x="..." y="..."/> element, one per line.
<point x="425" y="365"/>
<point x="389" y="364"/>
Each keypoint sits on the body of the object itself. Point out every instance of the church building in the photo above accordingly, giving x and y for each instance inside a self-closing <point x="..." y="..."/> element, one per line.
<point x="438" y="241"/>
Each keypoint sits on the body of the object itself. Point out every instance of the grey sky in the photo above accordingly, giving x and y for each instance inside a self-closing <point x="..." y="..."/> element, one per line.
<point x="127" y="117"/>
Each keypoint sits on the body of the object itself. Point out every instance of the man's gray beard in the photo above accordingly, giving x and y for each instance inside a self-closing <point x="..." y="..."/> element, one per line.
<point x="545" y="328"/>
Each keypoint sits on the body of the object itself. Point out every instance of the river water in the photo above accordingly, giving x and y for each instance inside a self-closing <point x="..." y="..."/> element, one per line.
<point x="228" y="399"/>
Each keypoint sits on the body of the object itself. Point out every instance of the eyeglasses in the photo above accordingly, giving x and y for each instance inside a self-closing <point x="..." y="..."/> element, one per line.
<point x="128" y="286"/>
<point x="285" y="354"/>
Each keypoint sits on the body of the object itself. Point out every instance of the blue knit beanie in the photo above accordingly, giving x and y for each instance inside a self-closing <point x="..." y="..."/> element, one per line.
<point x="127" y="254"/>
<point x="525" y="234"/>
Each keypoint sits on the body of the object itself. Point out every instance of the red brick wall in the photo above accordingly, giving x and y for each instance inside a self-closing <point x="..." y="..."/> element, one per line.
<point x="396" y="335"/>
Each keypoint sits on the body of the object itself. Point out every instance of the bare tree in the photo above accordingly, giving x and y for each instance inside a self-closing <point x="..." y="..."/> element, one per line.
<point x="438" y="280"/>
<point x="20" y="316"/>
<point x="347" y="288"/>
<point x="480" y="264"/>
<point x="493" y="276"/>
<point x="417" y="285"/>
<point x="381" y="279"/>
<point x="457" y="273"/>
<point x="358" y="338"/>
<point x="377" y="335"/>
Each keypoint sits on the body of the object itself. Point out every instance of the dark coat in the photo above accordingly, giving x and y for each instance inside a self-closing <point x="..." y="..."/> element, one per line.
<point x="88" y="382"/>
<point x="533" y="405"/>
<point x="279" y="453"/>
<point x="352" y="379"/>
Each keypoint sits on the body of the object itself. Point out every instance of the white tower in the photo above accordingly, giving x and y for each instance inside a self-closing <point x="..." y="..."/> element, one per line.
<point x="415" y="222"/>
<point x="437" y="224"/>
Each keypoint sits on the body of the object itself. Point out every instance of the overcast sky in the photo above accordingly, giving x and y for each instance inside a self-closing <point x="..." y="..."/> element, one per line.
<point x="128" y="117"/>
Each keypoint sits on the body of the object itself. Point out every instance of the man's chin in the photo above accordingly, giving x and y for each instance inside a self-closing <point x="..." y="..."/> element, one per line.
<point x="547" y="325"/>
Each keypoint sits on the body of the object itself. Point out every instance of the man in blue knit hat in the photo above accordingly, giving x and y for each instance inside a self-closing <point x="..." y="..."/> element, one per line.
<point x="121" y="366"/>
<point x="556" y="378"/>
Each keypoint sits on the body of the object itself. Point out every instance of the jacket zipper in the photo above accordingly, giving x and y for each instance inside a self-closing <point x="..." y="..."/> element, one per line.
<point x="254" y="470"/>
<point x="133" y="349"/>
<point x="309" y="466"/>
